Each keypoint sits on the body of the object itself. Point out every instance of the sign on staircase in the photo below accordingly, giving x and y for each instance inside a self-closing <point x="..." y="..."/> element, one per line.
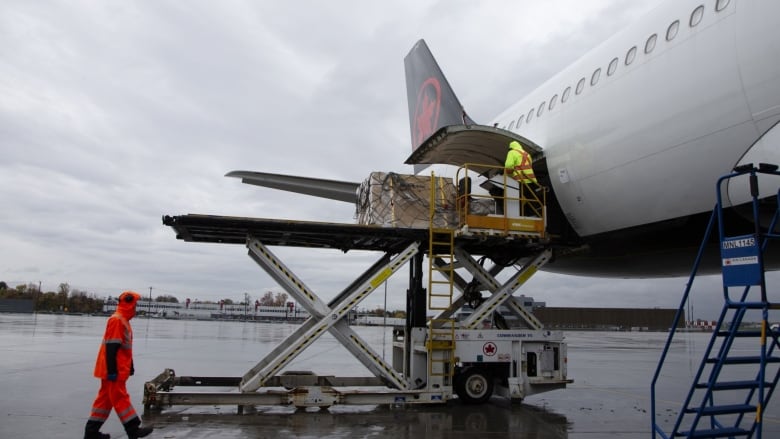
<point x="740" y="261"/>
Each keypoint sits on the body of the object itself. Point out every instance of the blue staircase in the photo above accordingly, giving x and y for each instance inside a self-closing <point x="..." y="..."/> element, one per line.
<point x="741" y="364"/>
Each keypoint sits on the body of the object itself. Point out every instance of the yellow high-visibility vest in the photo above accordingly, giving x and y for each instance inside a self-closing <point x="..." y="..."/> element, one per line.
<point x="518" y="164"/>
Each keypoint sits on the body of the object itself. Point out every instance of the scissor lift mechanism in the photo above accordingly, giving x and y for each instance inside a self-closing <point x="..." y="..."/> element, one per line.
<point x="425" y="357"/>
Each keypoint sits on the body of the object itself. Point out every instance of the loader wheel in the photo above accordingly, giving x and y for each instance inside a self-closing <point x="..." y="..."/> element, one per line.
<point x="474" y="386"/>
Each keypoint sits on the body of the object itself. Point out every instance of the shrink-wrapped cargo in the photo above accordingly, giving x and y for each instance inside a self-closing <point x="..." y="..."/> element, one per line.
<point x="396" y="200"/>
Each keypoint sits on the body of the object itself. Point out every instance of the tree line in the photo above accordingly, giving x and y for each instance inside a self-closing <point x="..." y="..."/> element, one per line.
<point x="67" y="299"/>
<point x="64" y="299"/>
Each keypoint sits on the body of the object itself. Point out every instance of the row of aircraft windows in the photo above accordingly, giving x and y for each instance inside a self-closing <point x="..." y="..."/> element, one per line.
<point x="650" y="44"/>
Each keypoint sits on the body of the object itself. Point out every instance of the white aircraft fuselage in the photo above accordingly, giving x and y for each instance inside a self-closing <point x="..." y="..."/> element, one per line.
<point x="636" y="132"/>
<point x="649" y="133"/>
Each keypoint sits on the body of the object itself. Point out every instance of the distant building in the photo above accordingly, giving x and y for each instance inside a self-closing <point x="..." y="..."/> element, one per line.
<point x="619" y="319"/>
<point x="208" y="311"/>
<point x="367" y="320"/>
<point x="16" y="305"/>
<point x="701" y="325"/>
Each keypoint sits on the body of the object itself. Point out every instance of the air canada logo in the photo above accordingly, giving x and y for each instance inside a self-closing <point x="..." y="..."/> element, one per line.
<point x="426" y="115"/>
<point x="489" y="349"/>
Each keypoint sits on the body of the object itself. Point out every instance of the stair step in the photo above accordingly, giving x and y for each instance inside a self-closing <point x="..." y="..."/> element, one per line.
<point x="723" y="409"/>
<point x="749" y="305"/>
<point x="755" y="359"/>
<point x="718" y="432"/>
<point x="734" y="385"/>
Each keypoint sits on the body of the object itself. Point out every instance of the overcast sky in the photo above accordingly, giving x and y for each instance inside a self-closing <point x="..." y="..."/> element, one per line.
<point x="113" y="114"/>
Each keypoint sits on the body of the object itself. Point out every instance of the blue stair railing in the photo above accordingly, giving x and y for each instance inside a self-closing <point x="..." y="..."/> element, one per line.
<point x="730" y="392"/>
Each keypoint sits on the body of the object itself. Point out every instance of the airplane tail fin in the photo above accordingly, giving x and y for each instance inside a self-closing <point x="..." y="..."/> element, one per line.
<point x="432" y="103"/>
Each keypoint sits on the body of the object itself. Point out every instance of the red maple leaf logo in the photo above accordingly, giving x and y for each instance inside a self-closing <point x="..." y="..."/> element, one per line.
<point x="426" y="114"/>
<point x="489" y="349"/>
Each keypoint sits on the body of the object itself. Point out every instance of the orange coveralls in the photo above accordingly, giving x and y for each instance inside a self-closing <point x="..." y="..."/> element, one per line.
<point x="115" y="357"/>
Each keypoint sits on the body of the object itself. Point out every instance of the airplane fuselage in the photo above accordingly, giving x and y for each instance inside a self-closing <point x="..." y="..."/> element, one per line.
<point x="666" y="125"/>
<point x="636" y="132"/>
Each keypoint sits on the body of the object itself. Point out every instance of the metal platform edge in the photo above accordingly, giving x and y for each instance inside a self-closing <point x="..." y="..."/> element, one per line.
<point x="341" y="236"/>
<point x="282" y="232"/>
<point x="297" y="389"/>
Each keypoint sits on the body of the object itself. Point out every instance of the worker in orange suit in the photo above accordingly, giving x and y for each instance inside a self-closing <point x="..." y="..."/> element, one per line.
<point x="114" y="366"/>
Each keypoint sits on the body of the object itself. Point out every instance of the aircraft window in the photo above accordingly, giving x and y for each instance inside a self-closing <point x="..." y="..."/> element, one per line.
<point x="520" y="120"/>
<point x="595" y="78"/>
<point x="672" y="31"/>
<point x="612" y="67"/>
<point x="580" y="86"/>
<point x="650" y="44"/>
<point x="630" y="55"/>
<point x="697" y="15"/>
<point x="541" y="109"/>
<point x="721" y="5"/>
<point x="530" y="116"/>
<point x="511" y="125"/>
<point x="566" y="93"/>
<point x="553" y="101"/>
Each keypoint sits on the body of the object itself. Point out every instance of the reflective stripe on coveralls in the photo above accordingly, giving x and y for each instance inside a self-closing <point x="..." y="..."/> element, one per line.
<point x="112" y="394"/>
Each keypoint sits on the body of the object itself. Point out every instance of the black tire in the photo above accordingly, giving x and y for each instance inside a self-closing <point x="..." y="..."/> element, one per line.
<point x="474" y="386"/>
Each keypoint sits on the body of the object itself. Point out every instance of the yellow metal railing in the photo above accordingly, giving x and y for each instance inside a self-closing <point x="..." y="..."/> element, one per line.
<point x="520" y="208"/>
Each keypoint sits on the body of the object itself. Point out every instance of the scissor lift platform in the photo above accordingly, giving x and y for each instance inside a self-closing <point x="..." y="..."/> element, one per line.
<point x="344" y="237"/>
<point x="431" y="357"/>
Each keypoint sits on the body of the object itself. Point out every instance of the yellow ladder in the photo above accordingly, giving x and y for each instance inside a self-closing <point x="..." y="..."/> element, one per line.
<point x="441" y="243"/>
<point x="440" y="288"/>
<point x="441" y="349"/>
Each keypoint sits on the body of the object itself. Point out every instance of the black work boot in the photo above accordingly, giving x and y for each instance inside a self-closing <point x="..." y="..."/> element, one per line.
<point x="134" y="429"/>
<point x="92" y="431"/>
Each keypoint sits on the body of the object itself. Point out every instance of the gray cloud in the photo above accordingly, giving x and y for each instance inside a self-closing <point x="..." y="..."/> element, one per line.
<point x="114" y="114"/>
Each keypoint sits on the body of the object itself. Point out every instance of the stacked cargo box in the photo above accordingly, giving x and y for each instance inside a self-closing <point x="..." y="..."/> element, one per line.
<point x="396" y="200"/>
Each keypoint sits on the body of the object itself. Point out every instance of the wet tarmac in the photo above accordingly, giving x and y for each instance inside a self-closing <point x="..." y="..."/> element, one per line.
<point x="47" y="389"/>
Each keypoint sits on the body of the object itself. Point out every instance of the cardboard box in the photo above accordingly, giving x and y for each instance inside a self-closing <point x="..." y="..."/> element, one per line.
<point x="396" y="200"/>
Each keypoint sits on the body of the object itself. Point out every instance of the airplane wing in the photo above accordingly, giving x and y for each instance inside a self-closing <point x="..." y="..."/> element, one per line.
<point x="332" y="189"/>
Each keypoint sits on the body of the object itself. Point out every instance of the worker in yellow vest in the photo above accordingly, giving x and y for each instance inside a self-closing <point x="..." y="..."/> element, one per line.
<point x="518" y="164"/>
